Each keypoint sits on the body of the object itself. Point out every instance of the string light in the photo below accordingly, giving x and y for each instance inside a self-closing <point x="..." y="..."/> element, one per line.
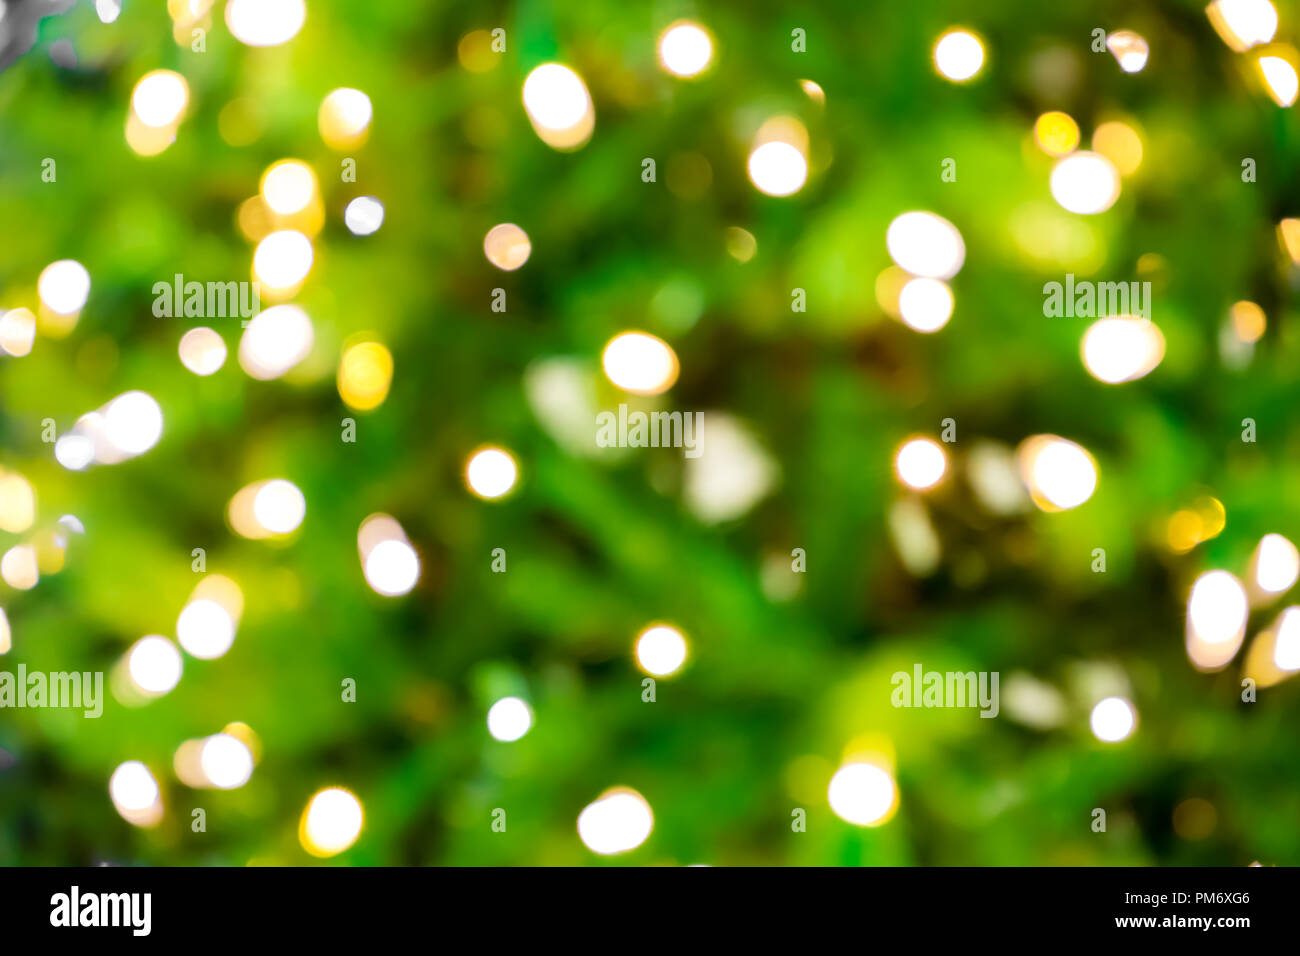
<point x="685" y="49"/>
<point x="958" y="55"/>
<point x="559" y="106"/>
<point x="863" y="794"/>
<point x="388" y="561"/>
<point x="920" y="463"/>
<point x="1113" y="719"/>
<point x="925" y="245"/>
<point x="491" y="472"/>
<point x="265" y="22"/>
<point x="618" y="821"/>
<point x="640" y="363"/>
<point x="331" y="822"/>
<point x="509" y="719"/>
<point x="660" y="650"/>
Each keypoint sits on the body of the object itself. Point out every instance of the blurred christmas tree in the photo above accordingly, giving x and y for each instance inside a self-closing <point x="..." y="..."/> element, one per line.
<point x="734" y="193"/>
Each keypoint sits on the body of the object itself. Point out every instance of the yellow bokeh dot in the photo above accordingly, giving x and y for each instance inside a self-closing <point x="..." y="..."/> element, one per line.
<point x="1119" y="143"/>
<point x="475" y="52"/>
<point x="1184" y="531"/>
<point x="1057" y="133"/>
<point x="365" y="374"/>
<point x="1248" y="321"/>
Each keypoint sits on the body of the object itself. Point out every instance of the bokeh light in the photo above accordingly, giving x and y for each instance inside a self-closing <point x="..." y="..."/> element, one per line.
<point x="920" y="463"/>
<point x="958" y="55"/>
<point x="640" y="363"/>
<point x="509" y="719"/>
<point x="491" y="472"/>
<point x="685" y="49"/>
<point x="863" y="794"/>
<point x="1113" y="719"/>
<point x="1085" y="183"/>
<point x="618" y="821"/>
<point x="331" y="822"/>
<point x="660" y="650"/>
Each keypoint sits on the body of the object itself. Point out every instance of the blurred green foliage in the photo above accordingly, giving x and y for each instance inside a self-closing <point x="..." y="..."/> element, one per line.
<point x="774" y="691"/>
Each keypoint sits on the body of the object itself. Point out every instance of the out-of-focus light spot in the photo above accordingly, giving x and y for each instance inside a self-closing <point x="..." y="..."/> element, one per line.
<point x="1113" y="719"/>
<point x="1286" y="649"/>
<point x="363" y="216"/>
<point x="226" y="761"/>
<point x="1059" y="473"/>
<point x="107" y="10"/>
<point x="475" y="52"/>
<point x="640" y="363"/>
<point x="925" y="245"/>
<point x="925" y="304"/>
<point x="509" y="719"/>
<point x="133" y="423"/>
<point x="1122" y="348"/>
<point x="17" y="332"/>
<point x="73" y="451"/>
<point x="6" y="636"/>
<point x="1195" y="819"/>
<point x="1288" y="235"/>
<point x="616" y="822"/>
<point x="1183" y="531"/>
<point x="1085" y="183"/>
<point x="1243" y="23"/>
<point x="732" y="473"/>
<point x="135" y="793"/>
<point x="17" y="502"/>
<point x="1248" y="321"/>
<point x="507" y="246"/>
<point x="889" y="287"/>
<point x="1056" y="133"/>
<point x="1119" y="143"/>
<point x="64" y="286"/>
<point x="365" y="374"/>
<point x="18" y="567"/>
<point x="279" y="506"/>
<point x="265" y="22"/>
<point x="660" y="650"/>
<point x="491" y="472"/>
<point x="388" y="561"/>
<point x="559" y="106"/>
<point x="266" y="509"/>
<point x="154" y="665"/>
<point x="283" y="259"/>
<point x="205" y="629"/>
<point x="1277" y="564"/>
<point x="863" y="794"/>
<point x="741" y="244"/>
<point x="159" y="98"/>
<point x="1129" y="49"/>
<point x="958" y="55"/>
<point x="1279" y="78"/>
<point x="275" y="341"/>
<point x="331" y="823"/>
<point x="1033" y="703"/>
<point x="202" y="351"/>
<point x="685" y="49"/>
<point x="920" y="463"/>
<point x="914" y="537"/>
<point x="814" y="91"/>
<point x="994" y="476"/>
<point x="1217" y="610"/>
<point x="344" y="118"/>
<point x="777" y="168"/>
<point x="288" y="186"/>
<point x="1213" y="516"/>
